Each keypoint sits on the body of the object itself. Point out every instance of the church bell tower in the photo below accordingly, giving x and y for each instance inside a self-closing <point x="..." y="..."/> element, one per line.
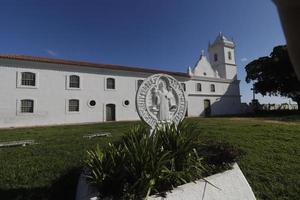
<point x="222" y="57"/>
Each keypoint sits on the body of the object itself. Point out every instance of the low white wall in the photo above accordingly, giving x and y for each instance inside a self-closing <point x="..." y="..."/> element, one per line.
<point x="230" y="185"/>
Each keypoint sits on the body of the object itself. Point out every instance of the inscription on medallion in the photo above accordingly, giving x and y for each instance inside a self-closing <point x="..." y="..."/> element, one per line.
<point x="160" y="99"/>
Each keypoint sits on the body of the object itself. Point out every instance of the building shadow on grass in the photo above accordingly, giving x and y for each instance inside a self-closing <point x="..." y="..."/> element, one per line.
<point x="64" y="188"/>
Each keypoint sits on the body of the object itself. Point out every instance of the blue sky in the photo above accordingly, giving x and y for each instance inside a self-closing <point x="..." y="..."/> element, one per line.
<point x="162" y="34"/>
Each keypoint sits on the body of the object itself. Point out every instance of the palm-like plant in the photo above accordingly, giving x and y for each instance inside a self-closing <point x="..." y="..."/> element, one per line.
<point x="143" y="163"/>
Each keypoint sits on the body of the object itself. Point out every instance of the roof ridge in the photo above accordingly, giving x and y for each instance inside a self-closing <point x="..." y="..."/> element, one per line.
<point x="88" y="64"/>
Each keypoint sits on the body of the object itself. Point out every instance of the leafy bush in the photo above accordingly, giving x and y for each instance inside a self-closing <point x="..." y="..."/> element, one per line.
<point x="142" y="163"/>
<point x="219" y="156"/>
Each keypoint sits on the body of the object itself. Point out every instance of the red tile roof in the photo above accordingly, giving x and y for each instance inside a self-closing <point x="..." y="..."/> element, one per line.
<point x="88" y="64"/>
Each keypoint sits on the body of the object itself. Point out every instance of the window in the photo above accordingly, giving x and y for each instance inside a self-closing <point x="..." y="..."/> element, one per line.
<point x="126" y="103"/>
<point x="198" y="87"/>
<point x="110" y="83"/>
<point x="28" y="78"/>
<point x="215" y="57"/>
<point x="92" y="103"/>
<point x="73" y="105"/>
<point x="229" y="55"/>
<point x="212" y="88"/>
<point x="27" y="106"/>
<point x="183" y="86"/>
<point x="139" y="83"/>
<point x="74" y="81"/>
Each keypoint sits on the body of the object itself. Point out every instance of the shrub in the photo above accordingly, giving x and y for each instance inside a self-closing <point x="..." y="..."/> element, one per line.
<point x="142" y="163"/>
<point x="219" y="156"/>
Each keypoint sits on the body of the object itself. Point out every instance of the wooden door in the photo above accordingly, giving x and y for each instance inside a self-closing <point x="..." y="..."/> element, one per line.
<point x="110" y="112"/>
<point x="207" y="107"/>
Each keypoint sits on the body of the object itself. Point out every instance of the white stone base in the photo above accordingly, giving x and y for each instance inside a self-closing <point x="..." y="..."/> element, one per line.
<point x="229" y="185"/>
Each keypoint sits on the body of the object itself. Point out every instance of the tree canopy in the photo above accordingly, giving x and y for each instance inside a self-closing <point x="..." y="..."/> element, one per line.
<point x="274" y="75"/>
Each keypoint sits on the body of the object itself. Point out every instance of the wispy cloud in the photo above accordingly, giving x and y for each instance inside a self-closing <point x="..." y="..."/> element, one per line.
<point x="244" y="59"/>
<point x="51" y="52"/>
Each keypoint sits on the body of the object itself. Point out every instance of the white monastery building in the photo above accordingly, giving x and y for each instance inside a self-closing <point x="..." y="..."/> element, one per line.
<point x="45" y="91"/>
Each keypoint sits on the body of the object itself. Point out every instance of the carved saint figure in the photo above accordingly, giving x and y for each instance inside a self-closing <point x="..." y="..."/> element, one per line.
<point x="155" y="99"/>
<point x="171" y="98"/>
<point x="163" y="101"/>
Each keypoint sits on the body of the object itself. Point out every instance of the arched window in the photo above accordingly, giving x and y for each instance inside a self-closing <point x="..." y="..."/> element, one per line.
<point x="229" y="55"/>
<point x="212" y="88"/>
<point x="28" y="78"/>
<point x="74" y="81"/>
<point x="199" y="87"/>
<point x="215" y="57"/>
<point x="27" y="106"/>
<point x="73" y="105"/>
<point x="110" y="83"/>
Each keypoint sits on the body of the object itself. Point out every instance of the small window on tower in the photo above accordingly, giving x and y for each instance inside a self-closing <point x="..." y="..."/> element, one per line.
<point x="198" y="87"/>
<point x="212" y="88"/>
<point x="215" y="57"/>
<point x="229" y="55"/>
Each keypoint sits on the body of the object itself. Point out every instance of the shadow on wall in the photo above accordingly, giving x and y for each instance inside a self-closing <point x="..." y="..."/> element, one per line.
<point x="227" y="104"/>
<point x="64" y="188"/>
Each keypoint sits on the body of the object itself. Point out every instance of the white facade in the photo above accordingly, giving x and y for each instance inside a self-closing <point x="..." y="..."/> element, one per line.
<point x="222" y="57"/>
<point x="50" y="91"/>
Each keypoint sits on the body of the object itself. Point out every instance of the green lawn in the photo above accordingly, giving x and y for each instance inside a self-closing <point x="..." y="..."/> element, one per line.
<point x="49" y="169"/>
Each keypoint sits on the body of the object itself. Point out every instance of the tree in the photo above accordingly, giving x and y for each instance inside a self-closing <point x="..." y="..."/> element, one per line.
<point x="274" y="75"/>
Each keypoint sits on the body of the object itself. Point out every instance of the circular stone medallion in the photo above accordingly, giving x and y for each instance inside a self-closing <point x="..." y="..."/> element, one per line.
<point x="160" y="99"/>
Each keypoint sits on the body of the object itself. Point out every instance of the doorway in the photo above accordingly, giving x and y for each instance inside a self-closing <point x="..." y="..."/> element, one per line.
<point x="110" y="112"/>
<point x="207" y="108"/>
